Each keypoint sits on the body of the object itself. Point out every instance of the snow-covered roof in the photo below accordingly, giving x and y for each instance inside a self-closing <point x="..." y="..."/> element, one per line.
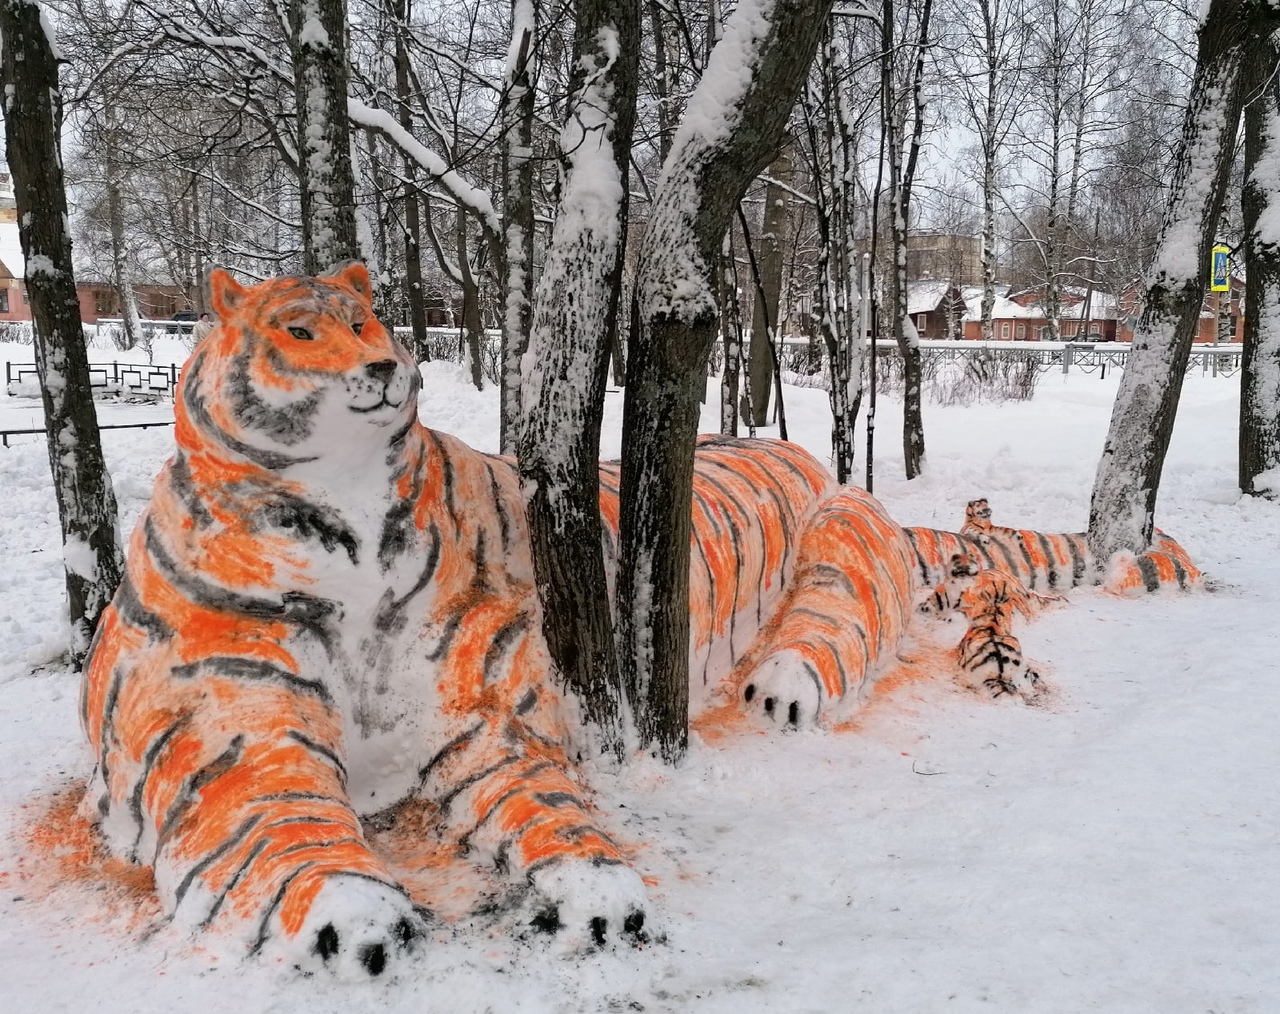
<point x="1102" y="305"/>
<point x="1004" y="309"/>
<point x="11" y="250"/>
<point x="923" y="296"/>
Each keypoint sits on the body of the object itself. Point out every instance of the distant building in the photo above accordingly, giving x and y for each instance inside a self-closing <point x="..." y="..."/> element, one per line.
<point x="1221" y="313"/>
<point x="1020" y="316"/>
<point x="936" y="309"/>
<point x="944" y="256"/>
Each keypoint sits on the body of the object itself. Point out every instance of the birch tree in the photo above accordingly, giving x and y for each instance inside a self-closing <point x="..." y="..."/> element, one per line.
<point x="517" y="214"/>
<point x="732" y="127"/>
<point x="563" y="386"/>
<point x="1260" y="371"/>
<point x="318" y="38"/>
<point x="1122" y="509"/>
<point x="832" y="132"/>
<point x="993" y="35"/>
<point x="767" y="255"/>
<point x="86" y="502"/>
<point x="902" y="105"/>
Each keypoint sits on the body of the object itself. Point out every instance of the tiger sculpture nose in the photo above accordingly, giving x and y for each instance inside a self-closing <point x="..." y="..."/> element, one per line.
<point x="383" y="369"/>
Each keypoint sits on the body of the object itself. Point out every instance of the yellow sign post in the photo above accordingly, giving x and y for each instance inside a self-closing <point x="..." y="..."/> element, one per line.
<point x="1220" y="274"/>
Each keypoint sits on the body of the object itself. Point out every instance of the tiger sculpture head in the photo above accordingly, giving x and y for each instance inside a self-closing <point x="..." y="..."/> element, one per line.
<point x="298" y="370"/>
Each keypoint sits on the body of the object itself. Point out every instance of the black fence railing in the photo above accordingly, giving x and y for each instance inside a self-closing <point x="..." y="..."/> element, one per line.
<point x="6" y="434"/>
<point x="139" y="378"/>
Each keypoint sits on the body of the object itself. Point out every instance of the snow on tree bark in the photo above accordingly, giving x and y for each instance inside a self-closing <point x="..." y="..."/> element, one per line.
<point x="120" y="279"/>
<point x="318" y="40"/>
<point x="566" y="366"/>
<point x="517" y="215"/>
<point x="828" y="120"/>
<point x="733" y="124"/>
<point x="1260" y="201"/>
<point x="765" y="316"/>
<point x="901" y="180"/>
<point x="415" y="293"/>
<point x="86" y="501"/>
<point x="1122" y="509"/>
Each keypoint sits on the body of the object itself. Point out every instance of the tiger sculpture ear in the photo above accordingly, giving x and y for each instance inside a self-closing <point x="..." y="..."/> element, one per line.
<point x="225" y="293"/>
<point x="356" y="276"/>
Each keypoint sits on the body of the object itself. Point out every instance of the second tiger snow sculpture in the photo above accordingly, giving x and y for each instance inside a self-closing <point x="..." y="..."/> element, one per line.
<point x="329" y="610"/>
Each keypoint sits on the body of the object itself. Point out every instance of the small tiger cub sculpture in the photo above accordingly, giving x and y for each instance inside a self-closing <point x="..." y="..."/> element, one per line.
<point x="329" y="612"/>
<point x="990" y="576"/>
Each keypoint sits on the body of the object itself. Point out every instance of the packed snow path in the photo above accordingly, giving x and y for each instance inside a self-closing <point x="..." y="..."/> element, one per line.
<point x="1112" y="852"/>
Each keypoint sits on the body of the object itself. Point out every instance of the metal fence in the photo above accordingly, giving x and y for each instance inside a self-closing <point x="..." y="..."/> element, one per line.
<point x="809" y="357"/>
<point x="798" y="357"/>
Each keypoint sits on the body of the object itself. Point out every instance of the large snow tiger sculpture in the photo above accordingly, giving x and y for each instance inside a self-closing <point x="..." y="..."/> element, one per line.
<point x="330" y="610"/>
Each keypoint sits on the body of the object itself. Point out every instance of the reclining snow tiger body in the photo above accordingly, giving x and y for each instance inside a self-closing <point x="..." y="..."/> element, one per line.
<point x="330" y="610"/>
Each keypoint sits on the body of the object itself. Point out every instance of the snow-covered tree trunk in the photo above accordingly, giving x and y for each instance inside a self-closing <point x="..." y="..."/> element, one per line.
<point x="86" y="501"/>
<point x="765" y="317"/>
<point x="901" y="179"/>
<point x="831" y="149"/>
<point x="730" y="338"/>
<point x="732" y="127"/>
<point x="1260" y="372"/>
<point x="1122" y="510"/>
<point x="120" y="279"/>
<point x="517" y="215"/>
<point x="414" y="292"/>
<point x="566" y="367"/>
<point x="469" y="281"/>
<point x="319" y="43"/>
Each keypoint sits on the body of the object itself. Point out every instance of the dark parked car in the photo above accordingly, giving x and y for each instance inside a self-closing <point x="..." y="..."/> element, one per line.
<point x="184" y="321"/>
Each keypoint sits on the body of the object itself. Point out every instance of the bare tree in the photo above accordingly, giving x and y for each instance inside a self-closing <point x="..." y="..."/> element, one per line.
<point x="318" y="38"/>
<point x="902" y="104"/>
<point x="86" y="501"/>
<point x="1260" y="372"/>
<point x="563" y="391"/>
<point x="993" y="36"/>
<point x="733" y="125"/>
<point x="832" y="131"/>
<point x="1122" y="509"/>
<point x="767" y="256"/>
<point x="517" y="214"/>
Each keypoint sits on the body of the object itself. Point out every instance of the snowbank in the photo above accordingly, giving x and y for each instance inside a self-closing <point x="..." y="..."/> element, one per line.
<point x="1114" y="851"/>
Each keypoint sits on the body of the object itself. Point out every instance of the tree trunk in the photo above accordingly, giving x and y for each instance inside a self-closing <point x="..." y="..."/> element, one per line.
<point x="86" y="501"/>
<point x="901" y="178"/>
<point x="730" y="338"/>
<point x="831" y="149"/>
<point x="132" y="321"/>
<point x="1122" y="510"/>
<point x="990" y="152"/>
<point x="563" y="392"/>
<point x="319" y="43"/>
<point x="765" y="318"/>
<point x="517" y="215"/>
<point x="472" y="323"/>
<point x="1260" y="371"/>
<point x="414" y="294"/>
<point x="734" y="125"/>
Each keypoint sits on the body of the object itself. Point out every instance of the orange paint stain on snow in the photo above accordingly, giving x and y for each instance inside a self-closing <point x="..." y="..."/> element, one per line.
<point x="900" y="686"/>
<point x="64" y="856"/>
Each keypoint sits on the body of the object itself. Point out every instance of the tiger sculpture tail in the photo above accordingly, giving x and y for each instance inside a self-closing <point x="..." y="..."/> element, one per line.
<point x="329" y="614"/>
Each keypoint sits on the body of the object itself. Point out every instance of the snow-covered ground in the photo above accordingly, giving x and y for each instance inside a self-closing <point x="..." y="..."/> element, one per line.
<point x="1114" y="851"/>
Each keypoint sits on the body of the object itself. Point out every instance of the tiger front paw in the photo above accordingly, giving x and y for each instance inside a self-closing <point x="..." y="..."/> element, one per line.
<point x="589" y="905"/>
<point x="785" y="691"/>
<point x="357" y="929"/>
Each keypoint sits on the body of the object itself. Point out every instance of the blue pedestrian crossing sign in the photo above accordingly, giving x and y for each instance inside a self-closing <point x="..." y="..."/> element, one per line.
<point x="1221" y="275"/>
